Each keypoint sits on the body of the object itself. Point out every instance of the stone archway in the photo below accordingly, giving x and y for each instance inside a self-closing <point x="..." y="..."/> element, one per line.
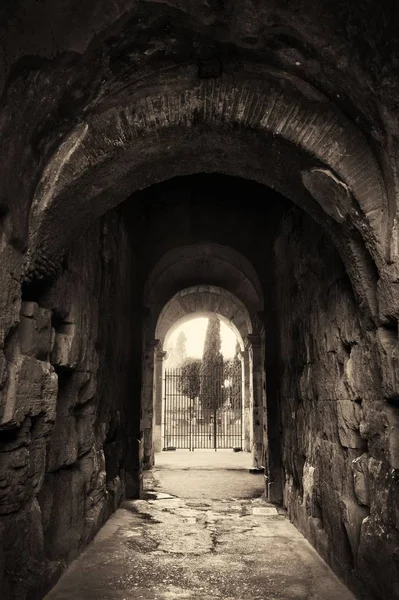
<point x="243" y="128"/>
<point x="102" y="99"/>
<point x="246" y="369"/>
<point x="231" y="270"/>
<point x="206" y="301"/>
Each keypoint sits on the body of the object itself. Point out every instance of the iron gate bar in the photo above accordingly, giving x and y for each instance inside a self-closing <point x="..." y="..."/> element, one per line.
<point x="189" y="424"/>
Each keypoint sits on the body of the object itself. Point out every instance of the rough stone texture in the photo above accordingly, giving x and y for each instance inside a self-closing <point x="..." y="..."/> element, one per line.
<point x="59" y="412"/>
<point x="361" y="482"/>
<point x="99" y="99"/>
<point x="340" y="477"/>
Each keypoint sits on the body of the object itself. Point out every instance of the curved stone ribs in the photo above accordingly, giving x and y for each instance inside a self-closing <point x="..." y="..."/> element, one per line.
<point x="251" y="105"/>
<point x="204" y="300"/>
<point x="225" y="266"/>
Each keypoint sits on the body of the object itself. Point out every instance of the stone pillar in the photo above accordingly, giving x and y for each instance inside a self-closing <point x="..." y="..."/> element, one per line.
<point x="254" y="347"/>
<point x="247" y="404"/>
<point x="158" y="399"/>
<point x="147" y="403"/>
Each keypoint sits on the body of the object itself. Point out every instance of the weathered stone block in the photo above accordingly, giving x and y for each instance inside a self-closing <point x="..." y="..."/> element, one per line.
<point x="21" y="475"/>
<point x="35" y="331"/>
<point x="65" y="352"/>
<point x="95" y="517"/>
<point x="353" y="517"/>
<point x="63" y="444"/>
<point x="76" y="329"/>
<point x="87" y="389"/>
<point x="361" y="479"/>
<point x="10" y="292"/>
<point x="63" y="500"/>
<point x="91" y="465"/>
<point x="331" y="462"/>
<point x="332" y="513"/>
<point x="392" y="434"/>
<point x="85" y="432"/>
<point x="388" y="346"/>
<point x="37" y="463"/>
<point x="31" y="390"/>
<point x="384" y="498"/>
<point x="349" y="415"/>
<point x="14" y="472"/>
<point x="116" y="489"/>
<point x="24" y="549"/>
<point x="378" y="559"/>
<point x="361" y="376"/>
<point x="372" y="427"/>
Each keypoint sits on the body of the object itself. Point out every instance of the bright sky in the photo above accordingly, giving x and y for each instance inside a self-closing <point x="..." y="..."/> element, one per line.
<point x="195" y="331"/>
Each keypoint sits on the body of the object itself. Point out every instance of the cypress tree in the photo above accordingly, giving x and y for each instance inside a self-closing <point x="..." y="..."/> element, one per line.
<point x="212" y="371"/>
<point x="236" y="386"/>
<point x="181" y="349"/>
<point x="233" y="374"/>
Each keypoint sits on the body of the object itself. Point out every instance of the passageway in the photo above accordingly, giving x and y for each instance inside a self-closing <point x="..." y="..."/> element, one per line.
<point x="202" y="531"/>
<point x="82" y="420"/>
<point x="165" y="160"/>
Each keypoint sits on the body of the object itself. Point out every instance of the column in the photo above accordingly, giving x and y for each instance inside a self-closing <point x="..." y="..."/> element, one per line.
<point x="158" y="399"/>
<point x="147" y="403"/>
<point x="247" y="403"/>
<point x="254" y="347"/>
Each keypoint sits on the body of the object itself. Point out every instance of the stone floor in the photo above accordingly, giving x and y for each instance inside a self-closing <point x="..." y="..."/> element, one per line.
<point x="208" y="474"/>
<point x="224" y="543"/>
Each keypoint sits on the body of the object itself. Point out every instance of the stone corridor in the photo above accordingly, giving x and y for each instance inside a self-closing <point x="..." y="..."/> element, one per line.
<point x="166" y="547"/>
<point x="166" y="159"/>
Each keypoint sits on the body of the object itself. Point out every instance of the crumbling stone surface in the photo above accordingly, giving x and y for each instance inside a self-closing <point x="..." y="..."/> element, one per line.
<point x="361" y="479"/>
<point x="55" y="419"/>
<point x="339" y="429"/>
<point x="31" y="390"/>
<point x="36" y="335"/>
<point x="99" y="99"/>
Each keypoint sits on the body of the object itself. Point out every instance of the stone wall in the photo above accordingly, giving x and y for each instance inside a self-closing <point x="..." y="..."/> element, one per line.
<point x="64" y="437"/>
<point x="337" y="430"/>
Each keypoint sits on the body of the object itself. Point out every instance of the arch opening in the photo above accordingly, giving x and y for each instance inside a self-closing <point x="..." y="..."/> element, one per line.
<point x="287" y="381"/>
<point x="205" y="403"/>
<point x="205" y="300"/>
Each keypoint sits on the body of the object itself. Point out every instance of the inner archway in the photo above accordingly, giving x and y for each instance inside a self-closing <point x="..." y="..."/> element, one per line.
<point x="207" y="300"/>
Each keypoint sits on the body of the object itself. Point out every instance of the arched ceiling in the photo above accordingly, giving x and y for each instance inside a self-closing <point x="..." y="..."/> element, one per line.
<point x="111" y="151"/>
<point x="204" y="301"/>
<point x="209" y="263"/>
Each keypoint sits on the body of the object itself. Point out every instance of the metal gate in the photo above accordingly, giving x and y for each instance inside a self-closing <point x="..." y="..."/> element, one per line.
<point x="206" y="416"/>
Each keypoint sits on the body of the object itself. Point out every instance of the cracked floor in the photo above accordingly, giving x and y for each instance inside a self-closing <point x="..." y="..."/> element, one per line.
<point x="166" y="547"/>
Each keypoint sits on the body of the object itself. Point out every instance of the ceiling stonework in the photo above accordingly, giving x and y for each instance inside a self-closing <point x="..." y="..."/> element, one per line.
<point x="110" y="154"/>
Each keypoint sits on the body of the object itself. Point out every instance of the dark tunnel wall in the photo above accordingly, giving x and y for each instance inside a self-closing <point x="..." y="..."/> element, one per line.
<point x="69" y="452"/>
<point x="72" y="442"/>
<point x="338" y="434"/>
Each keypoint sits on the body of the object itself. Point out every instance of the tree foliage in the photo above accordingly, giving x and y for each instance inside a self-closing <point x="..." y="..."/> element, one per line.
<point x="189" y="380"/>
<point x="212" y="369"/>
<point x="233" y="375"/>
<point x="181" y="348"/>
<point x="178" y="354"/>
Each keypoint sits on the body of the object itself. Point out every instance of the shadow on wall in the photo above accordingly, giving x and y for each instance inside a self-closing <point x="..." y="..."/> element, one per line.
<point x="68" y="433"/>
<point x="338" y="439"/>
